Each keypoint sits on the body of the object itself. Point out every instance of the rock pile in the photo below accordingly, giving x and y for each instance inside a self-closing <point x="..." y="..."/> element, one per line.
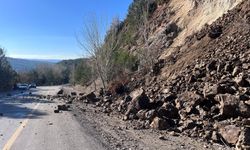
<point x="209" y="98"/>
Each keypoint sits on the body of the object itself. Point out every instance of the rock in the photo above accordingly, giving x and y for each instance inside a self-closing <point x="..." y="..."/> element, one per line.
<point x="69" y="102"/>
<point x="141" y="114"/>
<point x="150" y="114"/>
<point x="62" y="107"/>
<point x="60" y="92"/>
<point x="81" y="94"/>
<point x="230" y="133"/>
<point x="187" y="101"/>
<point x="159" y="123"/>
<point x="157" y="67"/>
<point x="210" y="90"/>
<point x="91" y="97"/>
<point x="236" y="71"/>
<point x="168" y="111"/>
<point x="166" y="91"/>
<point x="120" y="89"/>
<point x="73" y="94"/>
<point x="228" y="105"/>
<point x="215" y="31"/>
<point x="214" y="136"/>
<point x="242" y="81"/>
<point x="244" y="140"/>
<point x="169" y="97"/>
<point x="140" y="100"/>
<point x="211" y="66"/>
<point x="247" y="102"/>
<point x="56" y="111"/>
<point x="244" y="110"/>
<point x="189" y="124"/>
<point x="101" y="92"/>
<point x="107" y="99"/>
<point x="161" y="137"/>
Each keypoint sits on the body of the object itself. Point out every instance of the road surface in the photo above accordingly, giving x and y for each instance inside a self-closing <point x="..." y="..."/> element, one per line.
<point x="31" y="124"/>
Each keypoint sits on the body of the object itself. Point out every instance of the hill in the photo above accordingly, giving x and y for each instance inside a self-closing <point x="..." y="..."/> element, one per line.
<point x="198" y="79"/>
<point x="24" y="65"/>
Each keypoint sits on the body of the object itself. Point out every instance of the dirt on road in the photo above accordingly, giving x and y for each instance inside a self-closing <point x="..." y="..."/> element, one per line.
<point x="115" y="133"/>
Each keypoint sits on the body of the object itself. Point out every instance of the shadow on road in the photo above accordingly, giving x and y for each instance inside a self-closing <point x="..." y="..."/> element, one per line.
<point x="21" y="107"/>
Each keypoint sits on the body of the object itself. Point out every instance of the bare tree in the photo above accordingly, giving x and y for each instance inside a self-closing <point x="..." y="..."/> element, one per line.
<point x="100" y="50"/>
<point x="147" y="55"/>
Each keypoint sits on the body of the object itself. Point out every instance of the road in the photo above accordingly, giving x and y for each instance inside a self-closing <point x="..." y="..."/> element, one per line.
<point x="31" y="124"/>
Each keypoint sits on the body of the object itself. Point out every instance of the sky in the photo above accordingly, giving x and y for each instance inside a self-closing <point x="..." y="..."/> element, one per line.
<point x="47" y="29"/>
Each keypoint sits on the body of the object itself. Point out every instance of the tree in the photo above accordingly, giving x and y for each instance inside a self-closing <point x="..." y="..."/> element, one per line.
<point x="147" y="55"/>
<point x="7" y="74"/>
<point x="100" y="50"/>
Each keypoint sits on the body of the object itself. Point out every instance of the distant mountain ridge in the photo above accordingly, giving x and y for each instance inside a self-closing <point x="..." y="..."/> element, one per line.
<point x="23" y="65"/>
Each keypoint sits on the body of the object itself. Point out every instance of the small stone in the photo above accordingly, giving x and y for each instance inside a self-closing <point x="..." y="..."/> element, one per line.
<point x="161" y="137"/>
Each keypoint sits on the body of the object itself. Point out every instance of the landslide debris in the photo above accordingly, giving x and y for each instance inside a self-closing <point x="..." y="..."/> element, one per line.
<point x="204" y="93"/>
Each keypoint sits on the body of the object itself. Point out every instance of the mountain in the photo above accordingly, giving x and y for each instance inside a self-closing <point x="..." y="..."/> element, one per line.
<point x="22" y="65"/>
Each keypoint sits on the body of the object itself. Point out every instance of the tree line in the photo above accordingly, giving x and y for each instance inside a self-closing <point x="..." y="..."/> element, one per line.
<point x="108" y="58"/>
<point x="7" y="74"/>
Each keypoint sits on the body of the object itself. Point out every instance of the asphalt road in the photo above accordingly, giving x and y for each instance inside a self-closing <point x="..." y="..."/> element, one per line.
<point x="31" y="124"/>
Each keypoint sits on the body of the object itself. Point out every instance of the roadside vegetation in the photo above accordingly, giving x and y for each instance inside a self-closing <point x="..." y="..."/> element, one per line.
<point x="109" y="57"/>
<point x="7" y="74"/>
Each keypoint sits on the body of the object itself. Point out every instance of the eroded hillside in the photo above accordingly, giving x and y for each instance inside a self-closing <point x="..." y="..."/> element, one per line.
<point x="199" y="85"/>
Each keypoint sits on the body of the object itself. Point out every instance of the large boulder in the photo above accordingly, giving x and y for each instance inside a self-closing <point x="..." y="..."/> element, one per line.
<point x="230" y="133"/>
<point x="229" y="105"/>
<point x="187" y="102"/>
<point x="89" y="98"/>
<point x="139" y="101"/>
<point x="159" y="123"/>
<point x="168" y="111"/>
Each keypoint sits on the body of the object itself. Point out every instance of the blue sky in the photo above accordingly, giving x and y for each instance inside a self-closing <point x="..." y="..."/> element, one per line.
<point x="46" y="29"/>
